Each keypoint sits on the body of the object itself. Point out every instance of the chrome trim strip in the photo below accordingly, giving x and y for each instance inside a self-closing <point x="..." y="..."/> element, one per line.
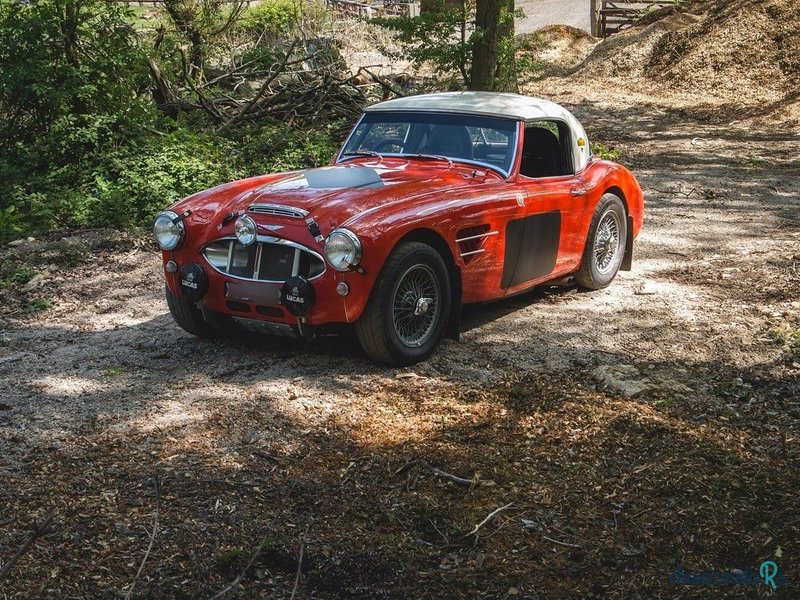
<point x="475" y="237"/>
<point x="463" y="254"/>
<point x="229" y="264"/>
<point x="280" y="210"/>
<point x="264" y="239"/>
<point x="296" y="262"/>
<point x="257" y="262"/>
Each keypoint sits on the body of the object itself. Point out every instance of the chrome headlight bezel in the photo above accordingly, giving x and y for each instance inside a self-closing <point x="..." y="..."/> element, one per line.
<point x="343" y="250"/>
<point x="245" y="230"/>
<point x="168" y="230"/>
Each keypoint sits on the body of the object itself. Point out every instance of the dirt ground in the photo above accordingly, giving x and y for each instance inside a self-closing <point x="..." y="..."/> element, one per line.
<point x="540" y="13"/>
<point x="623" y="433"/>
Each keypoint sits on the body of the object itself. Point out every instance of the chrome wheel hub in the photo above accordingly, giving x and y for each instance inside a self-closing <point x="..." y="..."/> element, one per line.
<point x="606" y="242"/>
<point x="415" y="305"/>
<point x="422" y="306"/>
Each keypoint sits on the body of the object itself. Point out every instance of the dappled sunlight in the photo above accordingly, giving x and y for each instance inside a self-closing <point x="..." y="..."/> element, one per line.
<point x="67" y="387"/>
<point x="560" y="443"/>
<point x="167" y="415"/>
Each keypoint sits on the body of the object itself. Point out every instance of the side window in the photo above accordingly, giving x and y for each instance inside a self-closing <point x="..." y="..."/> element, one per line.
<point x="545" y="150"/>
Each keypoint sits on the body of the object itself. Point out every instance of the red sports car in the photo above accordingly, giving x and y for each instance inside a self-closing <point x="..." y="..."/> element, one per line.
<point x="434" y="201"/>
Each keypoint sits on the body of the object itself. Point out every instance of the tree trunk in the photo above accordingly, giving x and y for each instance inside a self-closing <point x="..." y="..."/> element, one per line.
<point x="493" y="65"/>
<point x="187" y="20"/>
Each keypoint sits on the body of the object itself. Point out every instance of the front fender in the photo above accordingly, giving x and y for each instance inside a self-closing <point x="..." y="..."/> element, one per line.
<point x="381" y="231"/>
<point x="376" y="251"/>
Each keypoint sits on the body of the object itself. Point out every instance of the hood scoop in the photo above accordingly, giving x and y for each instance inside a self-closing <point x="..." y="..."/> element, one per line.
<point x="343" y="177"/>
<point x="327" y="178"/>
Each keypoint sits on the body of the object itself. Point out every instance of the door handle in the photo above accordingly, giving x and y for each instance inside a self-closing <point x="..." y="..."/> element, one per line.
<point x="578" y="191"/>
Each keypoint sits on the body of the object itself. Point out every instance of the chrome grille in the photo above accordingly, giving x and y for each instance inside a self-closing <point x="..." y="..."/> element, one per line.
<point x="270" y="259"/>
<point x="279" y="210"/>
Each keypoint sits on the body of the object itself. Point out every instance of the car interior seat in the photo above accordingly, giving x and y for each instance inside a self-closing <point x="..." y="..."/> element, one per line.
<point x="541" y="153"/>
<point x="449" y="140"/>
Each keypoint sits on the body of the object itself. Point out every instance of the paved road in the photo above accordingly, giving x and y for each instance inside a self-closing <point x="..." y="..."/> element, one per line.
<point x="551" y="12"/>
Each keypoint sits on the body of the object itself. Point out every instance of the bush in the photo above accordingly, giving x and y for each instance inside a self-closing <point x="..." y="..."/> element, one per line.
<point x="131" y="184"/>
<point x="279" y="148"/>
<point x="83" y="143"/>
<point x="71" y="74"/>
<point x="69" y="86"/>
<point x="134" y="184"/>
<point x="277" y="17"/>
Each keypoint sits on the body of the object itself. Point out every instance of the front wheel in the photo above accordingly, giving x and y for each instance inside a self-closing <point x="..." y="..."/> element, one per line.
<point x="407" y="313"/>
<point x="605" y="246"/>
<point x="189" y="317"/>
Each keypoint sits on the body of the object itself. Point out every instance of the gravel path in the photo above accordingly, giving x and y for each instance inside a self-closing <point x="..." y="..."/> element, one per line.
<point x="579" y="405"/>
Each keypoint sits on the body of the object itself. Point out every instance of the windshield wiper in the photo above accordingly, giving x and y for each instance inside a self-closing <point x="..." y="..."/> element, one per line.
<point x="363" y="153"/>
<point x="432" y="157"/>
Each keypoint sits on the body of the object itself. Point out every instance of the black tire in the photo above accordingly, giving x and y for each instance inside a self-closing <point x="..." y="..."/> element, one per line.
<point x="189" y="317"/>
<point x="608" y="233"/>
<point x="390" y="320"/>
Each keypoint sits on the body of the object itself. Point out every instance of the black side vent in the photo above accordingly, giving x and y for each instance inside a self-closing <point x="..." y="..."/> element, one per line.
<point x="471" y="240"/>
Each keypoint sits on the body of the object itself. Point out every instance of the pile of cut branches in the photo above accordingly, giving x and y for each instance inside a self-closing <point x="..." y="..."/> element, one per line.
<point x="307" y="86"/>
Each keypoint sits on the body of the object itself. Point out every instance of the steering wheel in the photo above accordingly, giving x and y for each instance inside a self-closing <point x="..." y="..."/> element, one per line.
<point x="390" y="142"/>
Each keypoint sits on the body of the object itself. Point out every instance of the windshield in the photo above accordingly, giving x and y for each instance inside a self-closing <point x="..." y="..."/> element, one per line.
<point x="486" y="141"/>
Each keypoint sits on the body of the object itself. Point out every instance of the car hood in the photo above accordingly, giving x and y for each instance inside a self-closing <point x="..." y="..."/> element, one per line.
<point x="335" y="195"/>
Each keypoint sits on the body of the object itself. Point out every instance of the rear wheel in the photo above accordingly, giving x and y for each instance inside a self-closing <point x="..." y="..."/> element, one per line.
<point x="189" y="317"/>
<point x="605" y="246"/>
<point x="407" y="313"/>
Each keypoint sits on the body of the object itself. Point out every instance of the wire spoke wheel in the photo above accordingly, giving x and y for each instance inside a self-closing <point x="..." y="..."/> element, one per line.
<point x="409" y="307"/>
<point x="416" y="305"/>
<point x="606" y="242"/>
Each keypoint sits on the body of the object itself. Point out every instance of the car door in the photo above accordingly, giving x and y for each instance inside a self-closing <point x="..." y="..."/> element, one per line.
<point x="543" y="242"/>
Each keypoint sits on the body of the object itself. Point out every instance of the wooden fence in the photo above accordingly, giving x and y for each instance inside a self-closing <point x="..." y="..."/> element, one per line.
<point x="612" y="16"/>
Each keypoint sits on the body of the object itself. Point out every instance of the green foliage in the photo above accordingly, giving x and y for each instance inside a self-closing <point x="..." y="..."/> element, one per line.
<point x="132" y="183"/>
<point x="606" y="152"/>
<point x="11" y="222"/>
<point x="787" y="336"/>
<point x="135" y="183"/>
<point x="735" y="390"/>
<point x="69" y="86"/>
<point x="200" y="23"/>
<point x="39" y="305"/>
<point x="528" y="47"/>
<point x="274" y="147"/>
<point x="71" y="74"/>
<point x="13" y="271"/>
<point x="83" y="143"/>
<point x="114" y="370"/>
<point x="277" y="17"/>
<point x="443" y="38"/>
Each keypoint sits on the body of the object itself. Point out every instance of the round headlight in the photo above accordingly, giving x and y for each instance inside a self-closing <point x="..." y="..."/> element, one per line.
<point x="168" y="230"/>
<point x="343" y="250"/>
<point x="245" y="230"/>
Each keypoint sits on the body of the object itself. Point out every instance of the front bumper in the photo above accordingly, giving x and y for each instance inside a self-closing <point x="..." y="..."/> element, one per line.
<point x="254" y="300"/>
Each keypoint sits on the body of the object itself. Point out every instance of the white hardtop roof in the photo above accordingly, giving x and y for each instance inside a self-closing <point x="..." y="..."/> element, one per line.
<point x="495" y="104"/>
